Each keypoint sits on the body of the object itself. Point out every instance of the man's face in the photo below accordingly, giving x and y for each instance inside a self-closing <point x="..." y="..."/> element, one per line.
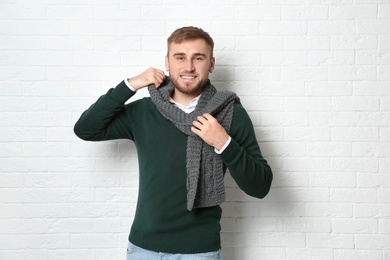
<point x="189" y="64"/>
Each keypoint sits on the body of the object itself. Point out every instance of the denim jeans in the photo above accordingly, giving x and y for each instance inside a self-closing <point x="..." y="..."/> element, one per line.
<point x="136" y="253"/>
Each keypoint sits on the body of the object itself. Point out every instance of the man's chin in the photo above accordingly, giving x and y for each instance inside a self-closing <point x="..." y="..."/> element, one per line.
<point x="189" y="88"/>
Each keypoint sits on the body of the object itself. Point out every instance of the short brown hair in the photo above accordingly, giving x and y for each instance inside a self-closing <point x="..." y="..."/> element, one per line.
<point x="190" y="33"/>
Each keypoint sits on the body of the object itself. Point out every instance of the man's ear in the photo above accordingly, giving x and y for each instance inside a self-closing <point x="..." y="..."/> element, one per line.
<point x="212" y="65"/>
<point x="167" y="63"/>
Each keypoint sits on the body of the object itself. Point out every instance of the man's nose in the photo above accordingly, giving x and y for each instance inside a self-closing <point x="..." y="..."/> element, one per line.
<point x="190" y="65"/>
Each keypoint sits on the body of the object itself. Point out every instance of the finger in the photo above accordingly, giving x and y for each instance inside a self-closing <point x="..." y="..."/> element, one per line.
<point x="197" y="125"/>
<point x="202" y="119"/>
<point x="208" y="117"/>
<point x="160" y="77"/>
<point x="195" y="130"/>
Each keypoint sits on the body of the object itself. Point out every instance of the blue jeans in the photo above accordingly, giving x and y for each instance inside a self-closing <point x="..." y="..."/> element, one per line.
<point x="136" y="253"/>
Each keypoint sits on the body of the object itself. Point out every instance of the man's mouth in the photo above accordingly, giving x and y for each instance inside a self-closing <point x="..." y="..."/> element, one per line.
<point x="187" y="77"/>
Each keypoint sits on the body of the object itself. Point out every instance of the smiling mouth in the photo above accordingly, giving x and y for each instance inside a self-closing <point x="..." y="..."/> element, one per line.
<point x="187" y="77"/>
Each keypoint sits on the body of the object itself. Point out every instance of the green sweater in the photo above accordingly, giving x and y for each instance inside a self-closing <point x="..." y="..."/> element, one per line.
<point x="162" y="222"/>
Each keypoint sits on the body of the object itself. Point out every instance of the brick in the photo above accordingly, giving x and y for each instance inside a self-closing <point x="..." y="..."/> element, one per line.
<point x="240" y="239"/>
<point x="283" y="28"/>
<point x="368" y="180"/>
<point x="384" y="11"/>
<point x="306" y="43"/>
<point x="371" y="149"/>
<point x="309" y="164"/>
<point x="331" y="58"/>
<point x="357" y="254"/>
<point x="352" y="134"/>
<point x="354" y="226"/>
<point x="22" y="42"/>
<point x="341" y="180"/>
<point x="352" y="73"/>
<point x="288" y="58"/>
<point x="307" y="103"/>
<point x="49" y="241"/>
<point x="265" y="12"/>
<point x="286" y="88"/>
<point x="383" y="72"/>
<point x="371" y="211"/>
<point x="71" y="42"/>
<point x="331" y="27"/>
<point x="239" y="28"/>
<point x="339" y="118"/>
<point x="95" y="58"/>
<point x="40" y="209"/>
<point x="384" y="226"/>
<point x="197" y="12"/>
<point x="320" y="149"/>
<point x="23" y="164"/>
<point x="298" y="194"/>
<point x="384" y="133"/>
<point x="274" y="239"/>
<point x="91" y="28"/>
<point x="23" y="226"/>
<point x="309" y="253"/>
<point x="115" y="195"/>
<point x="10" y="211"/>
<point x="326" y="240"/>
<point x="284" y="119"/>
<point x="370" y="241"/>
<point x="353" y="42"/>
<point x="116" y="12"/>
<point x="23" y="11"/>
<point x="384" y="195"/>
<point x="355" y="103"/>
<point x="304" y="12"/>
<point x="373" y="88"/>
<point x="353" y="195"/>
<point x="328" y="88"/>
<point x="73" y="226"/>
<point x="307" y="225"/>
<point x="385" y="106"/>
<point x="372" y="57"/>
<point x="373" y="119"/>
<point x="243" y="209"/>
<point x="10" y="242"/>
<point x="283" y="149"/>
<point x="263" y="43"/>
<point x="357" y="11"/>
<point x="354" y="164"/>
<point x="329" y="210"/>
<point x="373" y="27"/>
<point x="383" y="42"/>
<point x="307" y="134"/>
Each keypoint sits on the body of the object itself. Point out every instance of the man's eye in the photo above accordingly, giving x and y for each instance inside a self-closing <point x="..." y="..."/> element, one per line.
<point x="180" y="58"/>
<point x="199" y="58"/>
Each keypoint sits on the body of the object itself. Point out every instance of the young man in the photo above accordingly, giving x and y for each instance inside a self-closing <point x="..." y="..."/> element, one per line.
<point x="186" y="134"/>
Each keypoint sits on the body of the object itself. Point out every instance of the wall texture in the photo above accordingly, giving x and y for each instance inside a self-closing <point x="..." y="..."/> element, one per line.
<point x="313" y="74"/>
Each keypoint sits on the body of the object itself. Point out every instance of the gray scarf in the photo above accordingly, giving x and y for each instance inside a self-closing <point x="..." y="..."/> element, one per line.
<point x="205" y="187"/>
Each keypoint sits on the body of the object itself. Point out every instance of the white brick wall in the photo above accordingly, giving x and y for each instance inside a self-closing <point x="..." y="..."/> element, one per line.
<point x="314" y="76"/>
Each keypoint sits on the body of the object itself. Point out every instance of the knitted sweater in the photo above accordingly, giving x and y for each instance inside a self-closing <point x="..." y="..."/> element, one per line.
<point x="162" y="222"/>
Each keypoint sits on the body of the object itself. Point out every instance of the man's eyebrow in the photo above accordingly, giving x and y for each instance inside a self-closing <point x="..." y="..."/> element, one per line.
<point x="200" y="54"/>
<point x="195" y="54"/>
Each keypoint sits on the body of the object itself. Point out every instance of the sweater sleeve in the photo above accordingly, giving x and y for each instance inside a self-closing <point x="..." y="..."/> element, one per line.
<point x="243" y="157"/>
<point x="106" y="119"/>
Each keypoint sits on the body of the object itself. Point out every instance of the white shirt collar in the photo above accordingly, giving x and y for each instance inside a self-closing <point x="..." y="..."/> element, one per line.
<point x="187" y="109"/>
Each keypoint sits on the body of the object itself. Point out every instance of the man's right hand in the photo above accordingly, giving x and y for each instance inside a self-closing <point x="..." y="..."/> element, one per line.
<point x="146" y="78"/>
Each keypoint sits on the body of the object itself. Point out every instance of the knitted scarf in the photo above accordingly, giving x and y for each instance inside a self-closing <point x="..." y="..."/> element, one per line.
<point x="205" y="186"/>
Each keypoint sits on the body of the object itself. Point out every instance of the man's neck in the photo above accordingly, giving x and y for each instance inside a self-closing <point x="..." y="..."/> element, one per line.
<point x="184" y="99"/>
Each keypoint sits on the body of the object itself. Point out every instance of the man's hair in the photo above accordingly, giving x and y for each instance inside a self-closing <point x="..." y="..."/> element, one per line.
<point x="190" y="33"/>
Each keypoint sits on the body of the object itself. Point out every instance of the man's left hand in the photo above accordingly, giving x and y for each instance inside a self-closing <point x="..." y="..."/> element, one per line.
<point x="210" y="130"/>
